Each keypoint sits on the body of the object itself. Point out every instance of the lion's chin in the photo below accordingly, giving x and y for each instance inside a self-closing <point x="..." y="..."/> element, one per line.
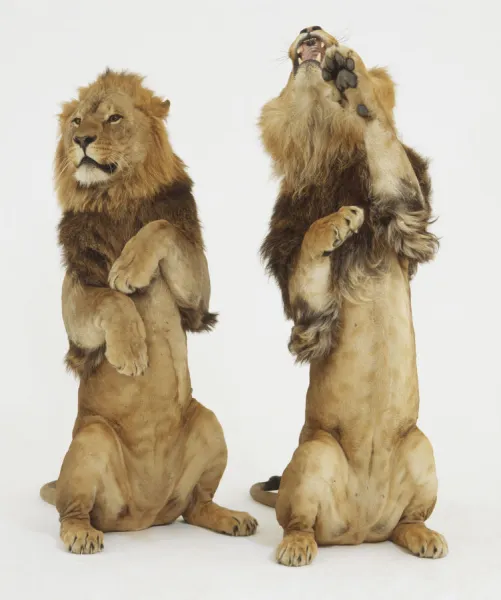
<point x="88" y="175"/>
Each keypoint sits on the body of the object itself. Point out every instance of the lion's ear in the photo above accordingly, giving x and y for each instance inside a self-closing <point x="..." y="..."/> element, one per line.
<point x="67" y="109"/>
<point x="160" y="108"/>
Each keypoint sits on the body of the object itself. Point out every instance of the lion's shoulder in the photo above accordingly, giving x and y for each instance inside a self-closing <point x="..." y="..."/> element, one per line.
<point x="91" y="241"/>
<point x="174" y="203"/>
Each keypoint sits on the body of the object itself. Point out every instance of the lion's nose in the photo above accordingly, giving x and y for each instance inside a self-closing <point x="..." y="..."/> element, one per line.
<point x="84" y="140"/>
<point x="310" y="29"/>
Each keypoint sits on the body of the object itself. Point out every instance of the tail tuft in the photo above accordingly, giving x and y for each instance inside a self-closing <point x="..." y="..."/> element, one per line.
<point x="272" y="484"/>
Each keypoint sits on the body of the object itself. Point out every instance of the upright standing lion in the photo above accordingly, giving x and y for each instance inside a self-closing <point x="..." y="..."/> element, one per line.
<point x="144" y="452"/>
<point x="348" y="230"/>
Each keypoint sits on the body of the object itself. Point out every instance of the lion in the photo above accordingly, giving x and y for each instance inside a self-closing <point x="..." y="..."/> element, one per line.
<point x="349" y="228"/>
<point x="144" y="452"/>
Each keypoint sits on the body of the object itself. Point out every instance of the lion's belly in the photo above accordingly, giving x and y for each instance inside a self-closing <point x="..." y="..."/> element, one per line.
<point x="366" y="396"/>
<point x="363" y="509"/>
<point x="369" y="383"/>
<point x="165" y="387"/>
<point x="146" y="412"/>
<point x="377" y="343"/>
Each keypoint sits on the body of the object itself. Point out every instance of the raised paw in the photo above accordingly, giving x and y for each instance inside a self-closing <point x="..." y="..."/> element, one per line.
<point x="328" y="233"/>
<point x="126" y="349"/>
<point x="297" y="549"/>
<point x="349" y="220"/>
<point x="81" y="538"/>
<point x="339" y="66"/>
<point x="420" y="541"/>
<point x="134" y="269"/>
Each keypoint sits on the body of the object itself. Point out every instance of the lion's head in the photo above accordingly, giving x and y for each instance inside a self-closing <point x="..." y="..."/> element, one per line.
<point x="306" y="129"/>
<point x="310" y="47"/>
<point x="113" y="144"/>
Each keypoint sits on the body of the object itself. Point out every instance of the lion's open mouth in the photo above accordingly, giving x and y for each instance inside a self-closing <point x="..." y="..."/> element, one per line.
<point x="87" y="160"/>
<point x="311" y="49"/>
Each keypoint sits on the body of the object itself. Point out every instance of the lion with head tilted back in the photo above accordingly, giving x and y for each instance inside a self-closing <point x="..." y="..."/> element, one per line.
<point x="144" y="451"/>
<point x="349" y="228"/>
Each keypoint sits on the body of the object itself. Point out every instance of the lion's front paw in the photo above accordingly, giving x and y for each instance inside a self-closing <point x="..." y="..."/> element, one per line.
<point x="330" y="232"/>
<point x="339" y="67"/>
<point x="344" y="223"/>
<point x="134" y="269"/>
<point x="126" y="349"/>
<point x="349" y="220"/>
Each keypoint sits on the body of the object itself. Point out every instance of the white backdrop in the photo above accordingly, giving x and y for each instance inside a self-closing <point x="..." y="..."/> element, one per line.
<point x="219" y="62"/>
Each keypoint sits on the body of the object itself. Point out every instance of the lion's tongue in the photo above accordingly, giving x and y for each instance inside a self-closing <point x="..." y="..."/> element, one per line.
<point x="310" y="52"/>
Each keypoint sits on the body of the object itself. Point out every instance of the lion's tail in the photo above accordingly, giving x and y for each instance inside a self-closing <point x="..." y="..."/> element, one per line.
<point x="264" y="492"/>
<point x="48" y="492"/>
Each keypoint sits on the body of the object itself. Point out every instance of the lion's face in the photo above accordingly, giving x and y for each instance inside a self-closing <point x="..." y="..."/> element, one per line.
<point x="305" y="128"/>
<point x="104" y="137"/>
<point x="309" y="47"/>
<point x="113" y="145"/>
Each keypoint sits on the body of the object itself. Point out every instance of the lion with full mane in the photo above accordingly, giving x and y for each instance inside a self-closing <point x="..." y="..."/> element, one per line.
<point x="144" y="452"/>
<point x="349" y="228"/>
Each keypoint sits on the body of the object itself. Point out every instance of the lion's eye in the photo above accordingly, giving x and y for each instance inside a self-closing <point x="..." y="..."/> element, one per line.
<point x="115" y="118"/>
<point x="76" y="121"/>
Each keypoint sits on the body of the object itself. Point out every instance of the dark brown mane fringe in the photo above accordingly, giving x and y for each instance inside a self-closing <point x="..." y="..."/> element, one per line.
<point x="92" y="241"/>
<point x="83" y="362"/>
<point x="196" y="321"/>
<point x="315" y="335"/>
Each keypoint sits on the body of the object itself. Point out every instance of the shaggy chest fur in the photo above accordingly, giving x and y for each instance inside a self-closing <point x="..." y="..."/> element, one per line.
<point x="349" y="184"/>
<point x="92" y="241"/>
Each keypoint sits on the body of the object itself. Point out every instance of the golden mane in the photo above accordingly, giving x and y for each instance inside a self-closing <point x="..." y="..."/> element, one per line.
<point x="305" y="142"/>
<point x="307" y="132"/>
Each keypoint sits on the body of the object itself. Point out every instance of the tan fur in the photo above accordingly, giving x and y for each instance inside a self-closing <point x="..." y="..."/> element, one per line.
<point x="363" y="471"/>
<point x="144" y="451"/>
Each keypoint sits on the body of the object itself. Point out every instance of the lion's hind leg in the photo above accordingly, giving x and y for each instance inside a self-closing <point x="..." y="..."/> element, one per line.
<point x="308" y="501"/>
<point x="419" y="540"/>
<point x="88" y="488"/>
<point x="202" y="470"/>
<point x="419" y="483"/>
<point x="203" y="512"/>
